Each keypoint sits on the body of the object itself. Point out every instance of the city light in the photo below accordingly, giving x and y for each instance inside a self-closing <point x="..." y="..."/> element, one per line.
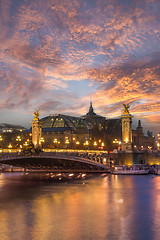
<point x="26" y="143"/>
<point x="126" y="140"/>
<point x="42" y="140"/>
<point x="18" y="138"/>
<point x="55" y="140"/>
<point x="67" y="141"/>
<point x="86" y="143"/>
<point x="104" y="161"/>
<point x="118" y="142"/>
<point x="10" y="146"/>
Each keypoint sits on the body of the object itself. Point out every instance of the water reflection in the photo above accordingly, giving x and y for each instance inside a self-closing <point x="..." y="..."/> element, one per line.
<point x="104" y="207"/>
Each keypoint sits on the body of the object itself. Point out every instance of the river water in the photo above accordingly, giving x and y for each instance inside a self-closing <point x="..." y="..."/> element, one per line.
<point x="100" y="207"/>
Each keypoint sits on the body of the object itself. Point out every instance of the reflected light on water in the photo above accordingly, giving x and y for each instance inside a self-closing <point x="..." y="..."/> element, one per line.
<point x="106" y="207"/>
<point x="2" y="180"/>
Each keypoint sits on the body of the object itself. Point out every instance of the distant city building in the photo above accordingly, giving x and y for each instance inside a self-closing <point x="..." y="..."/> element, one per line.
<point x="5" y="127"/>
<point x="140" y="141"/>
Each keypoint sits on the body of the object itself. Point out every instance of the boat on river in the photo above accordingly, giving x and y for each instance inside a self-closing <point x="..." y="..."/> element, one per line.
<point x="157" y="171"/>
<point x="133" y="170"/>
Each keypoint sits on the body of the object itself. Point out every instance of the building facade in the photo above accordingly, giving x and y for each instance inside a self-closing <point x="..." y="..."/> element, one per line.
<point x="90" y="131"/>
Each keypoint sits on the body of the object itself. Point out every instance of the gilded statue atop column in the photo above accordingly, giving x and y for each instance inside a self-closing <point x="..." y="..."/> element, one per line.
<point x="126" y="108"/>
<point x="36" y="114"/>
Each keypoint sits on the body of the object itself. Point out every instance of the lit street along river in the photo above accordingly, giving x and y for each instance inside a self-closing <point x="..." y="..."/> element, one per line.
<point x="100" y="207"/>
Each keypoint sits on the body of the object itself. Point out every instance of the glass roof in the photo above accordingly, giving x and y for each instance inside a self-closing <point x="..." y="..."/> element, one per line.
<point x="64" y="121"/>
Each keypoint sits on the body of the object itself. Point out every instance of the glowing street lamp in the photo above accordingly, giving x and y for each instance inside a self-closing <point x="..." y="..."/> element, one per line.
<point x="67" y="141"/>
<point x="10" y="146"/>
<point x="18" y="139"/>
<point x="95" y="143"/>
<point x="102" y="144"/>
<point x="115" y="141"/>
<point x="42" y="140"/>
<point x="25" y="144"/>
<point x="86" y="143"/>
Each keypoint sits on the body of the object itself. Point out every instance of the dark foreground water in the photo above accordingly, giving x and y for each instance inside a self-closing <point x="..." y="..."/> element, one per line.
<point x="103" y="207"/>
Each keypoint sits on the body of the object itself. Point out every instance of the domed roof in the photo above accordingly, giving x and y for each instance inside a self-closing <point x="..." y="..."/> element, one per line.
<point x="64" y="122"/>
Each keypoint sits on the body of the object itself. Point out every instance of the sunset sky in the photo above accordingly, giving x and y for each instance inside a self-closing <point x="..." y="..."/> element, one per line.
<point x="57" y="55"/>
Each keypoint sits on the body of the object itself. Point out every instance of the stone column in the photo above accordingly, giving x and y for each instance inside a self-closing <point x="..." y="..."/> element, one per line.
<point x="36" y="130"/>
<point x="126" y="129"/>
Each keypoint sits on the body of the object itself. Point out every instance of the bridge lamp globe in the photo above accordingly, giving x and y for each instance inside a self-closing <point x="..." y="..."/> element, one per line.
<point x="10" y="146"/>
<point x="95" y="143"/>
<point x="87" y="143"/>
<point x="77" y="142"/>
<point x="18" y="139"/>
<point x="71" y="174"/>
<point x="25" y="144"/>
<point x="42" y="139"/>
<point x="102" y="144"/>
<point x="104" y="161"/>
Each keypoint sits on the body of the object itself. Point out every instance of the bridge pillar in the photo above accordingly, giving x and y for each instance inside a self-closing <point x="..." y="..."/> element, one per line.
<point x="36" y="130"/>
<point x="126" y="129"/>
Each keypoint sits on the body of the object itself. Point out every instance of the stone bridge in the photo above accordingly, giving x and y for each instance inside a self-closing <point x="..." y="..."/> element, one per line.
<point x="56" y="162"/>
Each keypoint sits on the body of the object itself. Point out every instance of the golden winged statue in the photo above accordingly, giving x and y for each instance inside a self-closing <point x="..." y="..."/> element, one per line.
<point x="126" y="108"/>
<point x="36" y="114"/>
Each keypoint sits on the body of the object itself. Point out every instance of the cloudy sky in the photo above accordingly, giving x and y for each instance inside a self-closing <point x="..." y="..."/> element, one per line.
<point x="57" y="55"/>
